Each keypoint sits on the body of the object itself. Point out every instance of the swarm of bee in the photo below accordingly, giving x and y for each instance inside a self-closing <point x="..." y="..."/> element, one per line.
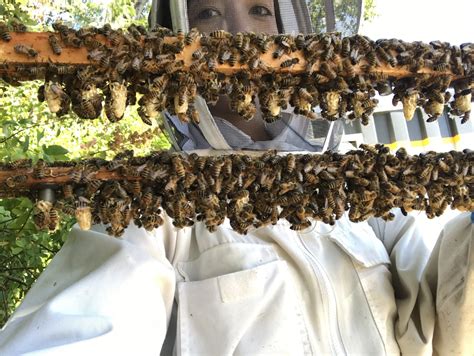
<point x="340" y="75"/>
<point x="249" y="191"/>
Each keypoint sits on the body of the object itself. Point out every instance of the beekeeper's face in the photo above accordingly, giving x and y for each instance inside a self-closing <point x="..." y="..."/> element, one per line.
<point x="233" y="15"/>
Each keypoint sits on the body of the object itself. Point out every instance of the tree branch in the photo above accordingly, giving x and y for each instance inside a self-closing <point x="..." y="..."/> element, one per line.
<point x="14" y="279"/>
<point x="18" y="268"/>
<point x="17" y="132"/>
<point x="48" y="249"/>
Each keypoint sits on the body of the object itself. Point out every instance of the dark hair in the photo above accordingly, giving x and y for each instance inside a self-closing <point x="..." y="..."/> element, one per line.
<point x="163" y="15"/>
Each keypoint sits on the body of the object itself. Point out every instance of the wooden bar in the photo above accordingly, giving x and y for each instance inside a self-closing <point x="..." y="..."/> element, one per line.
<point x="79" y="56"/>
<point x="250" y="191"/>
<point x="39" y="42"/>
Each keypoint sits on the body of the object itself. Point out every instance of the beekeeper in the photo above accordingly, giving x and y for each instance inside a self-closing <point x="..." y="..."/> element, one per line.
<point x="365" y="289"/>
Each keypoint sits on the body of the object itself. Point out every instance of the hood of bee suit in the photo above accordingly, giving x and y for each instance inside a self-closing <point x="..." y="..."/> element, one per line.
<point x="296" y="132"/>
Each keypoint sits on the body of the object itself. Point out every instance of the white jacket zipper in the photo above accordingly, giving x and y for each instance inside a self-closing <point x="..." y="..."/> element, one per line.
<point x="328" y="300"/>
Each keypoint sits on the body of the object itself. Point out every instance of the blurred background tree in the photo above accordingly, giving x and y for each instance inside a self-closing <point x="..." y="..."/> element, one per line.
<point x="344" y="16"/>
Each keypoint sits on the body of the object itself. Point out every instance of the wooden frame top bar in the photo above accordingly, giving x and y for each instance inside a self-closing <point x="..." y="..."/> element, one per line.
<point x="78" y="56"/>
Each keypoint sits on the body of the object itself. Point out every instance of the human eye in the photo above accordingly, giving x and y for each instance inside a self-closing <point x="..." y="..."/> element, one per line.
<point x="207" y="14"/>
<point x="259" y="10"/>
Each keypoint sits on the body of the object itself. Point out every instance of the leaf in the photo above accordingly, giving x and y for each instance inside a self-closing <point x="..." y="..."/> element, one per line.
<point x="39" y="136"/>
<point x="6" y="130"/>
<point x="9" y="122"/>
<point x="21" y="243"/>
<point x="26" y="144"/>
<point x="55" y="150"/>
<point x="17" y="153"/>
<point x="16" y="250"/>
<point x="10" y="204"/>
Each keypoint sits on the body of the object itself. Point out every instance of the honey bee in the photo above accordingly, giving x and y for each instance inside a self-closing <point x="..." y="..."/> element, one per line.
<point x="85" y="109"/>
<point x="224" y="56"/>
<point x="40" y="220"/>
<point x="220" y="34"/>
<point x="178" y="167"/>
<point x="371" y="59"/>
<point x="327" y="71"/>
<point x="198" y="54"/>
<point x="191" y="36"/>
<point x="68" y="191"/>
<point x="462" y="102"/>
<point x="152" y="221"/>
<point x="287" y="187"/>
<point x="26" y="50"/>
<point x="105" y="30"/>
<point x="278" y="53"/>
<point x="18" y="26"/>
<point x="300" y="41"/>
<point x="92" y="187"/>
<point x="305" y="94"/>
<point x="53" y="220"/>
<point x="385" y="56"/>
<point x="60" y="27"/>
<point x="289" y="62"/>
<point x="238" y="40"/>
<point x="364" y="43"/>
<point x="21" y="163"/>
<point x="301" y="226"/>
<point x="263" y="42"/>
<point x="466" y="117"/>
<point x="39" y="169"/>
<point x="355" y="56"/>
<point x="54" y="43"/>
<point x="4" y="34"/>
<point x="345" y="47"/>
<point x="285" y="41"/>
<point x="41" y="214"/>
<point x="173" y="67"/>
<point x="136" y="188"/>
<point x="290" y="163"/>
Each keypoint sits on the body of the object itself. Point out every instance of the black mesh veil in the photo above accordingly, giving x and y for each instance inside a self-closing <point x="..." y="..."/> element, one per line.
<point x="291" y="133"/>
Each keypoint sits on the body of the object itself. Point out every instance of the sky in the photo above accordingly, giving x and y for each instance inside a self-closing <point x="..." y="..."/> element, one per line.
<point x="422" y="20"/>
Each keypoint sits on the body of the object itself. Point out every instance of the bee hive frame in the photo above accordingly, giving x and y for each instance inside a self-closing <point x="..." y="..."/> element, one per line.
<point x="250" y="191"/>
<point x="341" y="75"/>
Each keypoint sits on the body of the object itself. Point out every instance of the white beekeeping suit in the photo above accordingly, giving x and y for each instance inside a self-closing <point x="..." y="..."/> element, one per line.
<point x="364" y="289"/>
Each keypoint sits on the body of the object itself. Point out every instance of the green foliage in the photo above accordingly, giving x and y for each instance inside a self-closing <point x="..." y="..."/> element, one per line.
<point x="369" y="10"/>
<point x="346" y="14"/>
<point x="29" y="130"/>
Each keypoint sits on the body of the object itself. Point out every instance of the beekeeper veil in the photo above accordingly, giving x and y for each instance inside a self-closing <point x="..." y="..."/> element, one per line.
<point x="292" y="132"/>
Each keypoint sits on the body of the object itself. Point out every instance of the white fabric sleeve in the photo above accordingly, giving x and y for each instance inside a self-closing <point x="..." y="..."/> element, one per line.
<point x="450" y="276"/>
<point x="409" y="248"/>
<point x="98" y="296"/>
<point x="433" y="282"/>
